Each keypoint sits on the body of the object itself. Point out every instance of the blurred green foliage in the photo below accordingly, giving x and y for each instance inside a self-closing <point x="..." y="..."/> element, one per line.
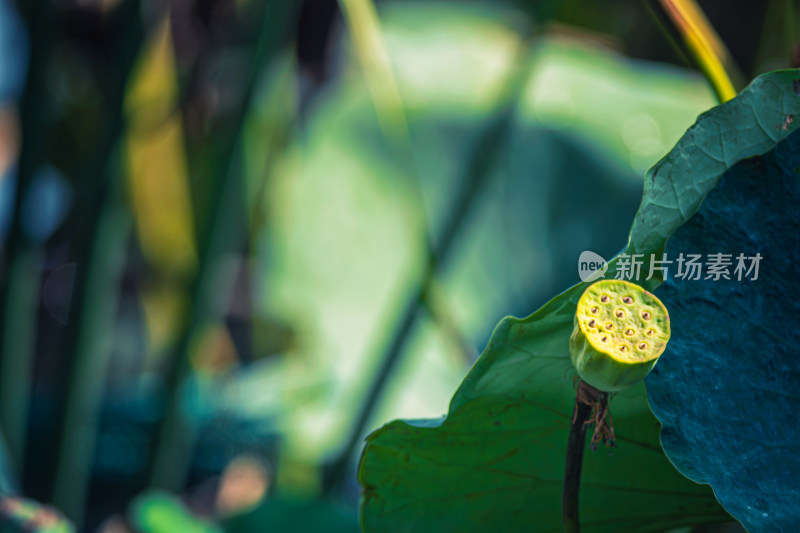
<point x="522" y="238"/>
<point x="222" y="231"/>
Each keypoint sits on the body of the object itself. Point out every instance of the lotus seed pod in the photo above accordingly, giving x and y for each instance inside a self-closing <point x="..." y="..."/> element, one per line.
<point x="620" y="332"/>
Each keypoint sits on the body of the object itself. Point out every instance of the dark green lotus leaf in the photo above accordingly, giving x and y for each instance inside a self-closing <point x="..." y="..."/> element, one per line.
<point x="749" y="125"/>
<point x="727" y="389"/>
<point x="497" y="459"/>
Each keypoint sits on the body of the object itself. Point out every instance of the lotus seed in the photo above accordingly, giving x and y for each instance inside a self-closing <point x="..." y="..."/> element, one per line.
<point x="620" y="313"/>
<point x="645" y="315"/>
<point x="609" y="326"/>
<point x="629" y="332"/>
<point x="604" y="298"/>
<point x="627" y="300"/>
<point x="623" y="348"/>
<point x="604" y="339"/>
<point x="650" y="331"/>
<point x="594" y="310"/>
<point x="592" y="323"/>
<point x="642" y="345"/>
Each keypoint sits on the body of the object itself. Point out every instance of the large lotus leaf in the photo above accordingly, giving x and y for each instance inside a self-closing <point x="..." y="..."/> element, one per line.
<point x="497" y="459"/>
<point x="727" y="388"/>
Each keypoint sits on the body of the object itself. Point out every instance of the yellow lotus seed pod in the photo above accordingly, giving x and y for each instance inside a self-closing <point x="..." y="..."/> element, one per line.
<point x="620" y="332"/>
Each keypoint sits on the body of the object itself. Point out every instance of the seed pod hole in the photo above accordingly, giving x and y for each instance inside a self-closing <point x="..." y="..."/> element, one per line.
<point x="609" y="326"/>
<point x="619" y="313"/>
<point x="646" y="315"/>
<point x="604" y="339"/>
<point x="604" y="298"/>
<point x="623" y="348"/>
<point x="592" y="323"/>
<point x="650" y="332"/>
<point x="594" y="310"/>
<point x="627" y="299"/>
<point x="642" y="345"/>
<point x="629" y="332"/>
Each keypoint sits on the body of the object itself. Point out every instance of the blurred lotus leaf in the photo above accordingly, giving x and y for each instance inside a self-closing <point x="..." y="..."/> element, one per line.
<point x="343" y="192"/>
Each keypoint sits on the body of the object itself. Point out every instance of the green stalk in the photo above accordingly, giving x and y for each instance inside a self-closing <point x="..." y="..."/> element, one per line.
<point x="668" y="30"/>
<point x="8" y="482"/>
<point x="789" y="30"/>
<point x="576" y="445"/>
<point x="705" y="46"/>
<point x="98" y="299"/>
<point x="19" y="347"/>
<point x="92" y="311"/>
<point x="176" y="434"/>
<point x="589" y="401"/>
<point x="20" y="284"/>
<point x="365" y="30"/>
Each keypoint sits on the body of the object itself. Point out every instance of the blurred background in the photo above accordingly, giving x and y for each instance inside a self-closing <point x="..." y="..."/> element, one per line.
<point x="238" y="235"/>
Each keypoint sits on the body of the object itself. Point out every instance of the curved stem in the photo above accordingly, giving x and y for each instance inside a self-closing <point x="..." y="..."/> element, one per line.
<point x="585" y="400"/>
<point x="705" y="46"/>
